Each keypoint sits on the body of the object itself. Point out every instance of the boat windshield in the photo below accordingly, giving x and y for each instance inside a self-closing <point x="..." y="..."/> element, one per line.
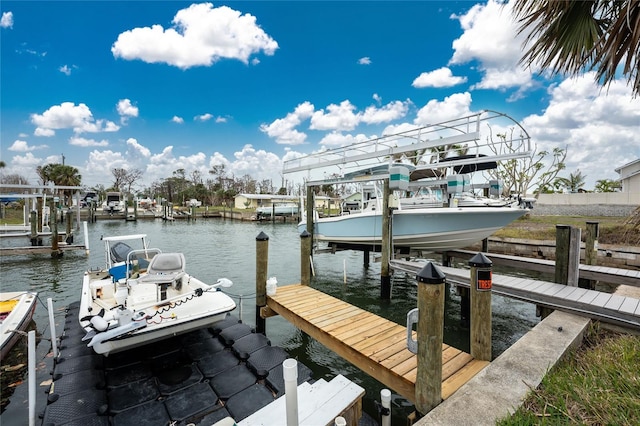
<point x="119" y="252"/>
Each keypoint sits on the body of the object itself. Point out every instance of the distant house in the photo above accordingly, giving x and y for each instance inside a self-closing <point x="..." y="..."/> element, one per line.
<point x="630" y="176"/>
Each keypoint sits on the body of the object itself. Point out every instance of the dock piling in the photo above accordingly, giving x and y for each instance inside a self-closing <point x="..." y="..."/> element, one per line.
<point x="590" y="253"/>
<point x="305" y="258"/>
<point x="385" y="276"/>
<point x="262" y="260"/>
<point x="428" y="386"/>
<point x="480" y="290"/>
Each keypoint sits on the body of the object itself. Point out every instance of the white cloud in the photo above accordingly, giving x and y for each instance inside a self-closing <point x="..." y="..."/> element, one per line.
<point x="220" y="119"/>
<point x="7" y="20"/>
<point x="442" y="77"/>
<point x="177" y="119"/>
<point x="599" y="127"/>
<point x="334" y="139"/>
<point x="283" y="129"/>
<point x="67" y="115"/>
<point x="364" y="61"/>
<point x="203" y="117"/>
<point x="126" y="110"/>
<point x="454" y="106"/>
<point x="200" y="36"/>
<point x="338" y="117"/>
<point x="65" y="69"/>
<point x="498" y="59"/>
<point x="392" y="111"/>
<point x="23" y="146"/>
<point x="138" y="150"/>
<point x="83" y="142"/>
<point x="259" y="164"/>
<point x="377" y="98"/>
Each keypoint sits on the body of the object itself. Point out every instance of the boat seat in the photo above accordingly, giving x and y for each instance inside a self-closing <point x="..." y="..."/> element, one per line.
<point x="165" y="268"/>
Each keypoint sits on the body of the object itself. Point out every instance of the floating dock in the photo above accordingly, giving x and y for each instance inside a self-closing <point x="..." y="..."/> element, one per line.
<point x="197" y="378"/>
<point x="375" y="345"/>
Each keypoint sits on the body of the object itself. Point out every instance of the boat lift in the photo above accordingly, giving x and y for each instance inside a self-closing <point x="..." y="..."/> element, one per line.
<point x="371" y="160"/>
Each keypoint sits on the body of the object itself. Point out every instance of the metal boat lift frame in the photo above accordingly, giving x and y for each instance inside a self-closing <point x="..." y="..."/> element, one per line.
<point x="386" y="148"/>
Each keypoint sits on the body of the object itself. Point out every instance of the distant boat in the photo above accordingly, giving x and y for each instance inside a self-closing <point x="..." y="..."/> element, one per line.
<point x="113" y="203"/>
<point x="16" y="312"/>
<point x="282" y="209"/>
<point x="143" y="295"/>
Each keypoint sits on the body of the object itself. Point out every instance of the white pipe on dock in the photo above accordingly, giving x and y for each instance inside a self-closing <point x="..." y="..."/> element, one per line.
<point x="340" y="421"/>
<point x="290" y="373"/>
<point x="385" y="399"/>
<point x="52" y="326"/>
<point x="344" y="270"/>
<point x="32" y="377"/>
<point x="86" y="237"/>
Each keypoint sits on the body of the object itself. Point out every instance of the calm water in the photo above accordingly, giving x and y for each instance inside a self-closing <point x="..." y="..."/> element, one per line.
<point x="215" y="248"/>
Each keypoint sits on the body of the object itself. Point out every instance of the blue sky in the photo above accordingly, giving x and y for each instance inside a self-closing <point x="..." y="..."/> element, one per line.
<point x="161" y="85"/>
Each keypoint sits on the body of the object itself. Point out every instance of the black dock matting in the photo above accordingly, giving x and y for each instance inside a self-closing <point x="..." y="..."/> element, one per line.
<point x="196" y="378"/>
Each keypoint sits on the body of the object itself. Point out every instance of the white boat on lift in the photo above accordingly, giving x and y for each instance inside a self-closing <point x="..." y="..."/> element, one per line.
<point x="280" y="209"/>
<point x="418" y="228"/>
<point x="143" y="295"/>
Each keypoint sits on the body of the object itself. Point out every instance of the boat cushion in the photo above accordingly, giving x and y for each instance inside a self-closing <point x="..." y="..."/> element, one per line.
<point x="166" y="263"/>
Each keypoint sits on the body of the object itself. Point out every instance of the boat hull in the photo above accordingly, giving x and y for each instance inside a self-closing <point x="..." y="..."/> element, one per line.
<point x="429" y="229"/>
<point x="18" y="319"/>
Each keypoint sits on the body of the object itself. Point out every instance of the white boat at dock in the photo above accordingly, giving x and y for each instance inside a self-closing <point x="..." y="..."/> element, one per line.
<point x="416" y="227"/>
<point x="16" y="312"/>
<point x="142" y="295"/>
<point x="282" y="209"/>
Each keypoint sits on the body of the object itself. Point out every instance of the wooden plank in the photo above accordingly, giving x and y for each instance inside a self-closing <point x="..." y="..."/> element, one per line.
<point x="455" y="364"/>
<point x="372" y="344"/>
<point x="348" y="323"/>
<point x="629" y="305"/>
<point x="614" y="302"/>
<point x="337" y="316"/>
<point x="462" y="376"/>
<point x="601" y="299"/>
<point x="364" y="327"/>
<point x="359" y="337"/>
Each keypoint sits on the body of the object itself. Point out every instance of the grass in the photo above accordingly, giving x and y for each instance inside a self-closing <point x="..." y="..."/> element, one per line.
<point x="597" y="384"/>
<point x="611" y="229"/>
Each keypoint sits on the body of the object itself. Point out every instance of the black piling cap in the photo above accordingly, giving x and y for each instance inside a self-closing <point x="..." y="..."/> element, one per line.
<point x="305" y="234"/>
<point x="481" y="261"/>
<point x="430" y="274"/>
<point x="262" y="237"/>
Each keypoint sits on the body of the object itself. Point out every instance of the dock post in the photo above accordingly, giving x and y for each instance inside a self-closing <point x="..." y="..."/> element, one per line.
<point x="430" y="337"/>
<point x="305" y="258"/>
<point x="310" y="208"/>
<point x="69" y="222"/>
<point x="385" y="276"/>
<point x="262" y="257"/>
<point x="567" y="255"/>
<point x="366" y="258"/>
<point x="33" y="221"/>
<point x="53" y="223"/>
<point x="590" y="253"/>
<point x="40" y="209"/>
<point x="480" y="290"/>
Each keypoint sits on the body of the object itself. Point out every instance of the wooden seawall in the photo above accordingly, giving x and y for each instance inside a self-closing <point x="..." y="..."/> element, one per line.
<point x="375" y="345"/>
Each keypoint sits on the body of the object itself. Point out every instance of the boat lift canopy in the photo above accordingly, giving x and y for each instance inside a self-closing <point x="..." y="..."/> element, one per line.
<point x="369" y="160"/>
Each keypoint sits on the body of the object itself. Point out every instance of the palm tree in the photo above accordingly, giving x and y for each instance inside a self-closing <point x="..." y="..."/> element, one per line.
<point x="570" y="36"/>
<point x="573" y="183"/>
<point x="607" y="185"/>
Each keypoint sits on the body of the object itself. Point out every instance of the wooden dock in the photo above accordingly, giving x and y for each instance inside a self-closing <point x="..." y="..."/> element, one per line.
<point x="598" y="305"/>
<point x="375" y="345"/>
<point x="589" y="272"/>
<point x="18" y="251"/>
